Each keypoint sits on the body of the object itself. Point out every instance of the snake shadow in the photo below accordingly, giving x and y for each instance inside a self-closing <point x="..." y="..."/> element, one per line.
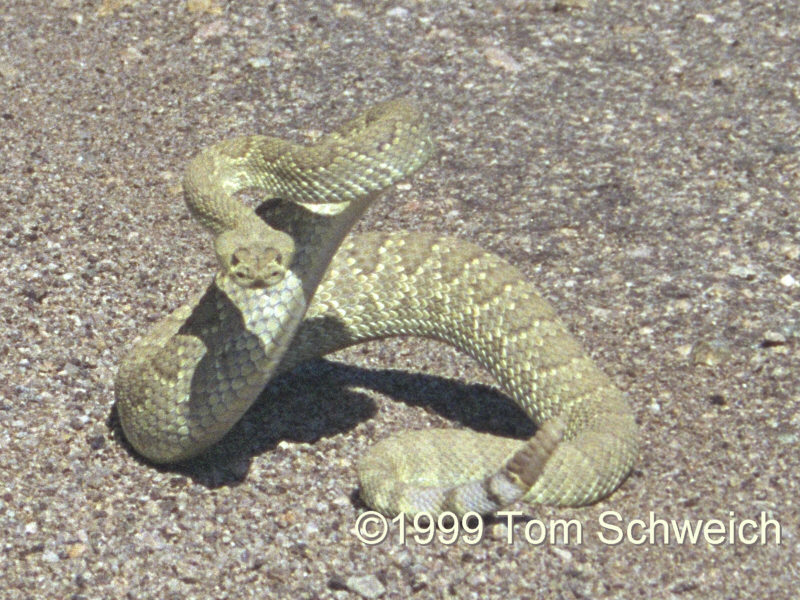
<point x="320" y="399"/>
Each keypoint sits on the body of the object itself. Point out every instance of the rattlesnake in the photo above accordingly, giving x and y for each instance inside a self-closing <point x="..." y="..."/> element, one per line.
<point x="287" y="292"/>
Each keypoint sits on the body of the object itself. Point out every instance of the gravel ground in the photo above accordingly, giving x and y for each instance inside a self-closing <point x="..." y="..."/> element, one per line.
<point x="637" y="160"/>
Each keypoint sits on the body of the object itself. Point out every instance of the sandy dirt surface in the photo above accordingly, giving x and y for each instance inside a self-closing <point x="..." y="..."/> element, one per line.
<point x="637" y="160"/>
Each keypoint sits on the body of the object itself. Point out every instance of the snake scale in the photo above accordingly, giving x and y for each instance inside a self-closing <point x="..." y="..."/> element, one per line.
<point x="290" y="288"/>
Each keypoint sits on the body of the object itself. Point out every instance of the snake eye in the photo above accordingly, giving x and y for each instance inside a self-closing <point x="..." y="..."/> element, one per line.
<point x="272" y="255"/>
<point x="241" y="255"/>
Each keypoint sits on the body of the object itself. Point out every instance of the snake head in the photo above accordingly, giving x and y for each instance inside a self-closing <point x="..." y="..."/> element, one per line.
<point x="253" y="262"/>
<point x="256" y="267"/>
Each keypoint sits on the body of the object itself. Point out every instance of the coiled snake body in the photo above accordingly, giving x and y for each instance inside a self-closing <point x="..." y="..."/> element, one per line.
<point x="288" y="290"/>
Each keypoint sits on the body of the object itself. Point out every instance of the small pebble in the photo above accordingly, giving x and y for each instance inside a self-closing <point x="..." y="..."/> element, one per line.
<point x="367" y="586"/>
